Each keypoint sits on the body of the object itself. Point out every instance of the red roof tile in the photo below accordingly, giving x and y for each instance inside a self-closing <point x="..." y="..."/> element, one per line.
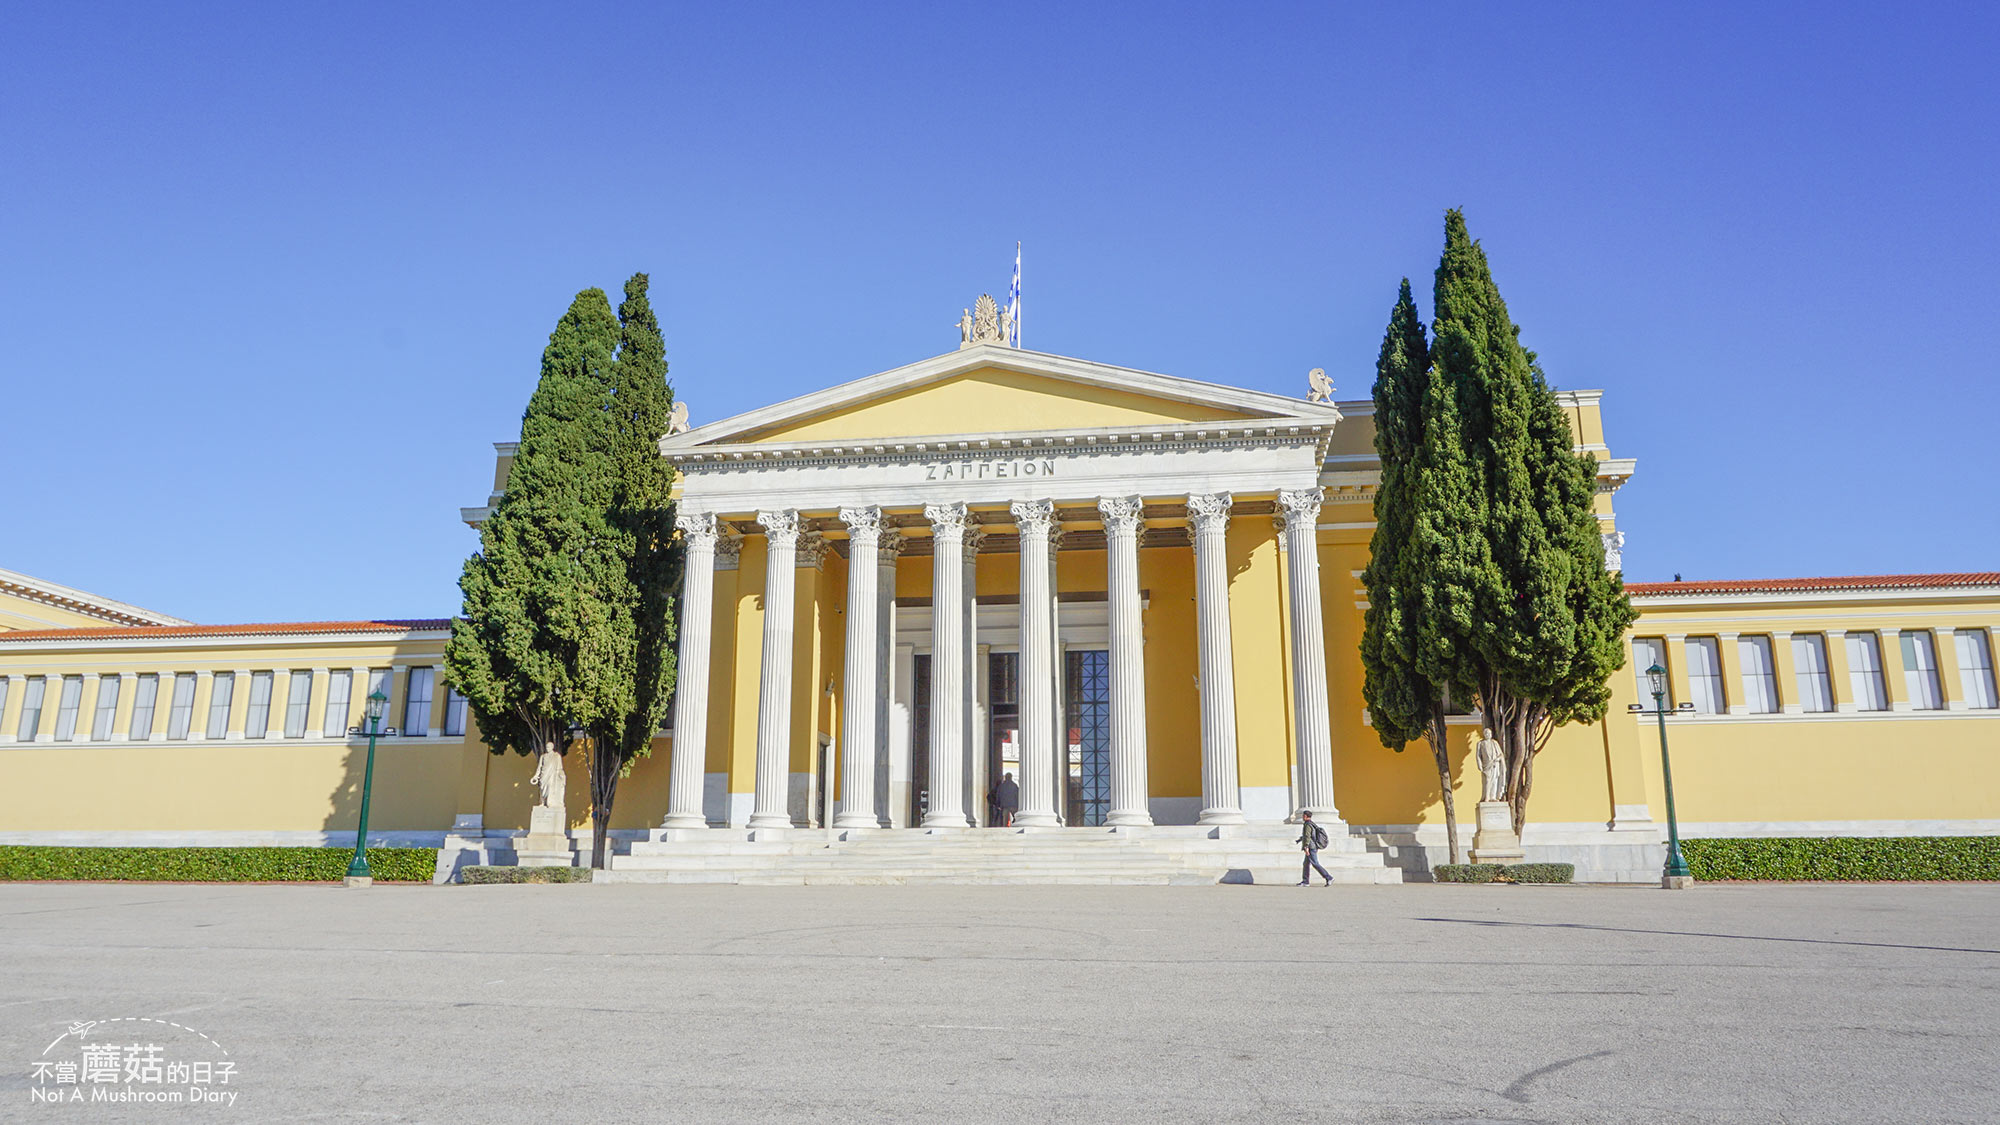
<point x="1810" y="585"/>
<point x="278" y="629"/>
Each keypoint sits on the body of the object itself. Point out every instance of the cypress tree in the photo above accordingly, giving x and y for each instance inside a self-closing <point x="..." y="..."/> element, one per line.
<point x="641" y="514"/>
<point x="1404" y="703"/>
<point x="1520" y="607"/>
<point x="531" y="649"/>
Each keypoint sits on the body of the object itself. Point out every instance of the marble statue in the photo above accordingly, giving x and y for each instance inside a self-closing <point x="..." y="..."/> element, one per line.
<point x="965" y="329"/>
<point x="985" y="323"/>
<point x="1492" y="767"/>
<point x="1614" y="549"/>
<point x="677" y="418"/>
<point x="549" y="776"/>
<point x="1319" y="388"/>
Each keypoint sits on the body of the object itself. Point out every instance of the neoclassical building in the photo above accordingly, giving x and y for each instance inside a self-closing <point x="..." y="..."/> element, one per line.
<point x="1137" y="594"/>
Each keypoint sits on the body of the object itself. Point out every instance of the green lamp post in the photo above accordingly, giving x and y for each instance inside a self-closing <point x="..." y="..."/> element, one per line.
<point x="1676" y="876"/>
<point x="357" y="870"/>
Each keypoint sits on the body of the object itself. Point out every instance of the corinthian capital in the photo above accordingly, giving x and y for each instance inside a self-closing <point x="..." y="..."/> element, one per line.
<point x="698" y="528"/>
<point x="862" y="523"/>
<point x="1209" y="511"/>
<point x="946" y="519"/>
<point x="812" y="549"/>
<point x="1299" y="506"/>
<point x="1121" y="514"/>
<point x="1033" y="517"/>
<point x="780" y="527"/>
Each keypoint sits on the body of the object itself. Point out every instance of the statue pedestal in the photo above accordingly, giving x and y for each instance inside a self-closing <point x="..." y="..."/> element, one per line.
<point x="547" y="841"/>
<point x="1495" y="841"/>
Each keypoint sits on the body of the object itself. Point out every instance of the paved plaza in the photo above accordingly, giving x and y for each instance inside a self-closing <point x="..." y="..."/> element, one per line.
<point x="717" y="1004"/>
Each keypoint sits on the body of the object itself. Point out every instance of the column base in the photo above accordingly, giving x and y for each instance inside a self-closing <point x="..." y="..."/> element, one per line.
<point x="769" y="820"/>
<point x="684" y="820"/>
<point x="1034" y="820"/>
<point x="1221" y="816"/>
<point x="936" y="823"/>
<point x="1676" y="882"/>
<point x="357" y="881"/>
<point x="856" y="820"/>
<point x="1128" y="819"/>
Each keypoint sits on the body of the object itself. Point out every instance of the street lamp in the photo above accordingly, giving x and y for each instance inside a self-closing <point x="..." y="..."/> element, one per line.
<point x="357" y="870"/>
<point x="1676" y="876"/>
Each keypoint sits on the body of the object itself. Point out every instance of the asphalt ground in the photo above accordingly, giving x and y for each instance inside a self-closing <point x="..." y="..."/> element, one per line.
<point x="1107" y="1004"/>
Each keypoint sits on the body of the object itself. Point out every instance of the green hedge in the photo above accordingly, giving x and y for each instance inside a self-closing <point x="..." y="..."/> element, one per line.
<point x="23" y="863"/>
<point x="1503" y="872"/>
<point x="1846" y="858"/>
<point x="524" y="875"/>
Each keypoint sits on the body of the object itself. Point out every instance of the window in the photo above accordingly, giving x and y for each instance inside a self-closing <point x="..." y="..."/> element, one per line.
<point x="1814" y="673"/>
<point x="6" y="685"/>
<point x="417" y="702"/>
<point x="1864" y="672"/>
<point x="379" y="680"/>
<point x="338" y="687"/>
<point x="1647" y="652"/>
<point x="298" y="700"/>
<point x="180" y="712"/>
<point x="218" y="703"/>
<point x="1975" y="668"/>
<point x="1760" y="674"/>
<point x="1705" y="675"/>
<point x="107" y="707"/>
<point x="143" y="700"/>
<point x="31" y="709"/>
<point x="257" y="721"/>
<point x="66" y="707"/>
<point x="1920" y="670"/>
<point x="454" y="712"/>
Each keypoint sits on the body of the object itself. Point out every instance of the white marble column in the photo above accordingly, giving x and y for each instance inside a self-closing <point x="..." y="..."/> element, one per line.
<point x="947" y="766"/>
<point x="1129" y="802"/>
<point x="887" y="554"/>
<point x="863" y="654"/>
<point x="973" y="795"/>
<point x="1221" y="797"/>
<point x="774" y="686"/>
<point x="686" y="780"/>
<point x="1036" y="674"/>
<point x="1312" y="731"/>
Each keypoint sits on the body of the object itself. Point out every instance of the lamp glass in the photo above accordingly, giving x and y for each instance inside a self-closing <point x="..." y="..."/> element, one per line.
<point x="377" y="703"/>
<point x="1656" y="677"/>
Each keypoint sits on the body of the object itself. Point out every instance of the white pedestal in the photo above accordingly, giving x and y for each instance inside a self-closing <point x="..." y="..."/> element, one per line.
<point x="547" y="841"/>
<point x="1495" y="841"/>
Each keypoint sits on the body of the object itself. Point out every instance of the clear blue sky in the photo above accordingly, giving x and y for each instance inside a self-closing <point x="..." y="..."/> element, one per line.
<point x="273" y="278"/>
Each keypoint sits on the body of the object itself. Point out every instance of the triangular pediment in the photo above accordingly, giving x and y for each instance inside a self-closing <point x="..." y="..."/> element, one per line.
<point x="991" y="389"/>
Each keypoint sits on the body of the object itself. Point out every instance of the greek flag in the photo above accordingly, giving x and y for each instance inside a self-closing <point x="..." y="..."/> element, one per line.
<point x="1014" y="303"/>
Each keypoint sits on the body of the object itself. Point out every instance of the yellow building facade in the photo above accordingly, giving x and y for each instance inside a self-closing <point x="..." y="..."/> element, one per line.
<point x="1135" y="595"/>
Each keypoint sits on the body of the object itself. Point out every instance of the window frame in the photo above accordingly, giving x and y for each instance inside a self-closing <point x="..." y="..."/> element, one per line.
<point x="1703" y="683"/>
<point x="1975" y="676"/>
<point x="1760" y="685"/>
<point x="1813" y="683"/>
<point x="221" y="694"/>
<point x="1870" y="685"/>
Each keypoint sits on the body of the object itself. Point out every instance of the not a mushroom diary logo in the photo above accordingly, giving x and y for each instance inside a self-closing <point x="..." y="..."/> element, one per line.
<point x="133" y="1060"/>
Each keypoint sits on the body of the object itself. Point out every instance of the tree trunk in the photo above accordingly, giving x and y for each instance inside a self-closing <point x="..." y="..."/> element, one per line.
<point x="1441" y="749"/>
<point x="603" y="789"/>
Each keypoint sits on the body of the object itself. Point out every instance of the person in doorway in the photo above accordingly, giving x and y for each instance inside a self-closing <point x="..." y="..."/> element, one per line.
<point x="1006" y="798"/>
<point x="1312" y="838"/>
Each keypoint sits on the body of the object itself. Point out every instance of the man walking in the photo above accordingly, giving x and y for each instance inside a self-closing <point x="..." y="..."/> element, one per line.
<point x="1312" y="838"/>
<point x="1006" y="801"/>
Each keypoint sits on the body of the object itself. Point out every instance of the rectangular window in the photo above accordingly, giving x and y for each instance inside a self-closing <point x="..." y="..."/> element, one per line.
<point x="180" y="709"/>
<point x="379" y="682"/>
<point x="6" y="685"/>
<point x="1814" y="673"/>
<point x="218" y="703"/>
<point x="107" y="707"/>
<point x="143" y="701"/>
<point x="31" y="709"/>
<point x="417" y="705"/>
<point x="1975" y="668"/>
<point x="338" y="684"/>
<point x="66" y="707"/>
<point x="454" y="712"/>
<point x="1705" y="675"/>
<point x="1864" y="672"/>
<point x="298" y="701"/>
<point x="1646" y="653"/>
<point x="1760" y="674"/>
<point x="257" y="720"/>
<point x="1920" y="670"/>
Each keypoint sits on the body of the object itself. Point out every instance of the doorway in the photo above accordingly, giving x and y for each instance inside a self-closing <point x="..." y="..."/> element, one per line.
<point x="1087" y="733"/>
